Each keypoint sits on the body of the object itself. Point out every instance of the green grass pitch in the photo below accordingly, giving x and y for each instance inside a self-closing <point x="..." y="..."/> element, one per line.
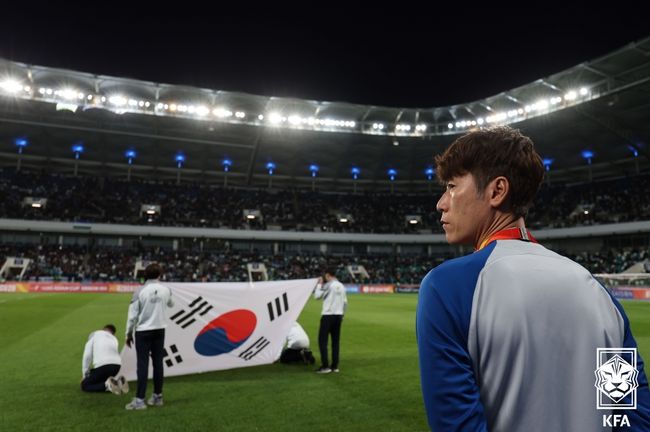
<point x="42" y="338"/>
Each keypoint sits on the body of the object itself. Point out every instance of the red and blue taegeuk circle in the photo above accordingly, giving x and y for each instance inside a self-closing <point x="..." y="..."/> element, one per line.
<point x="225" y="333"/>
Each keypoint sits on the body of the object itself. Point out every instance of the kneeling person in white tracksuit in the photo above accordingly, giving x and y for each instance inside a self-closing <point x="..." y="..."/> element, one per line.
<point x="297" y="347"/>
<point x="101" y="352"/>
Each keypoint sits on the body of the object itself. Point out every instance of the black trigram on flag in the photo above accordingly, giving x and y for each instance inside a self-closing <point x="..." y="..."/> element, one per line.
<point x="174" y="355"/>
<point x="277" y="306"/>
<point x="255" y="348"/>
<point x="184" y="319"/>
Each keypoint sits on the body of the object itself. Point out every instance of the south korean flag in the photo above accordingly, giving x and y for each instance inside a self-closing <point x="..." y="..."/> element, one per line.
<point x="216" y="326"/>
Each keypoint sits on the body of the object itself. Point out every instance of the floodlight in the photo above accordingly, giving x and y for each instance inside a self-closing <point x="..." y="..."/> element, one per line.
<point x="227" y="163"/>
<point x="547" y="163"/>
<point x="180" y="159"/>
<point x="11" y="86"/>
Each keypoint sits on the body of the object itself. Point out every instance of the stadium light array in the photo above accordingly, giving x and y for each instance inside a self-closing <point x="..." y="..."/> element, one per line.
<point x="541" y="106"/>
<point x="119" y="101"/>
<point x="11" y="86"/>
<point x="222" y="112"/>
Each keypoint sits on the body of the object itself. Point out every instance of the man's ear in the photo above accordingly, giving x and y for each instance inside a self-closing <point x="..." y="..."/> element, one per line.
<point x="498" y="190"/>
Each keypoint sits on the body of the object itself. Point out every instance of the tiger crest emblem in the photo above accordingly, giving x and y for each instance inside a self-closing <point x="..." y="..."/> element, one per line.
<point x="616" y="378"/>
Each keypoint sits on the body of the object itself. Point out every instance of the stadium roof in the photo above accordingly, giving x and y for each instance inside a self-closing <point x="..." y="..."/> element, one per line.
<point x="598" y="106"/>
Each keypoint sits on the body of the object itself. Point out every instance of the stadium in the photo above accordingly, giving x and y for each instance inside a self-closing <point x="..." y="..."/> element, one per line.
<point x="101" y="175"/>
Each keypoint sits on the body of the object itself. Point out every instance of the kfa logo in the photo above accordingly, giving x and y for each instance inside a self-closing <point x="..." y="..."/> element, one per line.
<point x="616" y="378"/>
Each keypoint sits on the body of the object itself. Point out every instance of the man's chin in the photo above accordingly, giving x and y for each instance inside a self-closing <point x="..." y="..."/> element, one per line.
<point x="455" y="240"/>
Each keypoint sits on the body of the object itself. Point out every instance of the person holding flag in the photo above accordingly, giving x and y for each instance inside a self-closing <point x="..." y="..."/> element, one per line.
<point x="335" y="303"/>
<point x="507" y="336"/>
<point x="147" y="320"/>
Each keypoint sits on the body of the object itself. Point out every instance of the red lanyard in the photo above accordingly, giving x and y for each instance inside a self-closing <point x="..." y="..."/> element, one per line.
<point x="509" y="234"/>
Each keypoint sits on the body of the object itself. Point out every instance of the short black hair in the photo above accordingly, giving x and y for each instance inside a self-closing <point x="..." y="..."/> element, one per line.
<point x="152" y="271"/>
<point x="330" y="270"/>
<point x="111" y="328"/>
<point x="493" y="152"/>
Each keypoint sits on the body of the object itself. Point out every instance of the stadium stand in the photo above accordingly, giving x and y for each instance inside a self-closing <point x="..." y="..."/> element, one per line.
<point x="106" y="200"/>
<point x="79" y="263"/>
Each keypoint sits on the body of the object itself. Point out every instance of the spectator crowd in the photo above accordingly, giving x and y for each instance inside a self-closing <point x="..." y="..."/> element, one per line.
<point x="116" y="201"/>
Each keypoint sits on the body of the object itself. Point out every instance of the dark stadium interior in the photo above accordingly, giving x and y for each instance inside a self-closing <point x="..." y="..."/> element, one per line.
<point x="305" y="221"/>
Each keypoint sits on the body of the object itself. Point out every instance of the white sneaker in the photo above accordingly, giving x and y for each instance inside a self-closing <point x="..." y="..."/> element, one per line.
<point x="155" y="400"/>
<point x="113" y="386"/>
<point x="323" y="370"/>
<point x="335" y="370"/>
<point x="136" y="404"/>
<point x="124" y="384"/>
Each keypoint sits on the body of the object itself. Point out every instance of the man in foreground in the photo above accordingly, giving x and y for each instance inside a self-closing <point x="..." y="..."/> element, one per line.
<point x="508" y="335"/>
<point x="147" y="319"/>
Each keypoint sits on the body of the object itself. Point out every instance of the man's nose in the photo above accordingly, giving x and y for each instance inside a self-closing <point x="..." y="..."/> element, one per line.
<point x="441" y="205"/>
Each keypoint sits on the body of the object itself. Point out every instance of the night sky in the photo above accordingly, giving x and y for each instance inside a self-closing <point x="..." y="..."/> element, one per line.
<point x="410" y="59"/>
